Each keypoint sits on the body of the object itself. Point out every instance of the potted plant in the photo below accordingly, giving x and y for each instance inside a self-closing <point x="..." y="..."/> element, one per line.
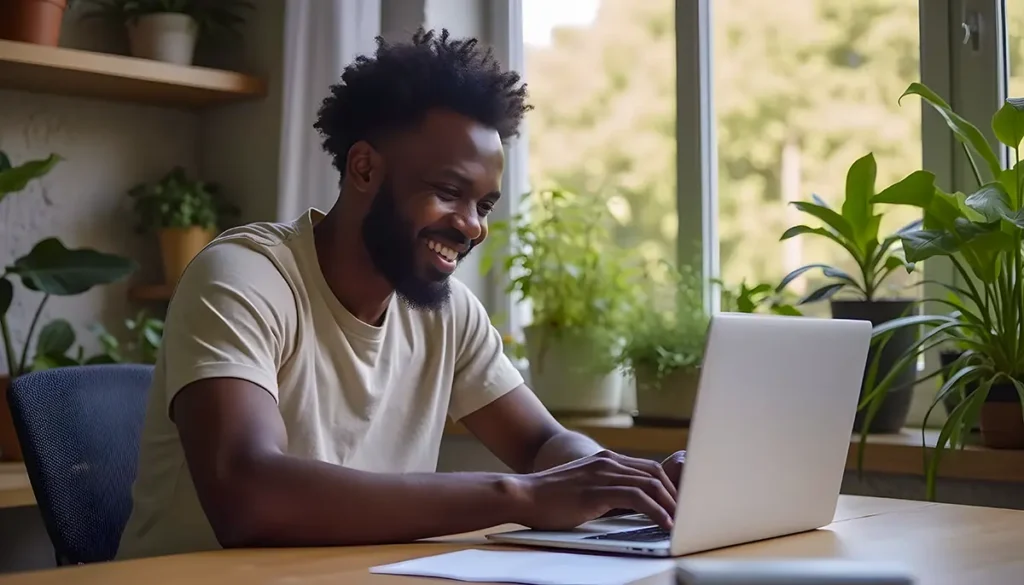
<point x="855" y="228"/>
<point x="32" y="21"/>
<point x="185" y="214"/>
<point x="981" y="234"/>
<point x="57" y="338"/>
<point x="559" y="258"/>
<point x="49" y="268"/>
<point x="167" y="30"/>
<point x="664" y="347"/>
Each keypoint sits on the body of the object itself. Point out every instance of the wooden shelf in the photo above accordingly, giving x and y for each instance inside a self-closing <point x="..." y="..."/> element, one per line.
<point x="15" y="489"/>
<point x="898" y="454"/>
<point x="151" y="292"/>
<point x="61" y="71"/>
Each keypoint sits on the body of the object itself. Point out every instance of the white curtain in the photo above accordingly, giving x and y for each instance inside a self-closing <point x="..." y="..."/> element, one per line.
<point x="321" y="38"/>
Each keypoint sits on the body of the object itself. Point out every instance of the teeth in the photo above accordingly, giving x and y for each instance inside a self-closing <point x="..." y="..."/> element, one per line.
<point x="443" y="251"/>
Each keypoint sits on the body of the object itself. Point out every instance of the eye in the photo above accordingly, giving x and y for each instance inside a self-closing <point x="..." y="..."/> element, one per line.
<point x="485" y="207"/>
<point x="446" y="195"/>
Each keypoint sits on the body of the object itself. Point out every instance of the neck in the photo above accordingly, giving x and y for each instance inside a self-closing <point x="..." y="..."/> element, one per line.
<point x="347" y="267"/>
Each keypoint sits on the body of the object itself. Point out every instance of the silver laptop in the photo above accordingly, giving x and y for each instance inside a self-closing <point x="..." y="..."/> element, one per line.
<point x="767" y="446"/>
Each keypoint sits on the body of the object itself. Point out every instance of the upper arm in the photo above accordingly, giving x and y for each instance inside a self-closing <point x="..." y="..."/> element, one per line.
<point x="226" y="334"/>
<point x="483" y="373"/>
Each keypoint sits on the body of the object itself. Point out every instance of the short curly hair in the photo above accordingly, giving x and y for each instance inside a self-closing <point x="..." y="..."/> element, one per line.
<point x="394" y="89"/>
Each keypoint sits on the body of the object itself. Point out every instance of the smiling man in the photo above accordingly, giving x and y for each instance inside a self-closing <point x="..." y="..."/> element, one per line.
<point x="308" y="367"/>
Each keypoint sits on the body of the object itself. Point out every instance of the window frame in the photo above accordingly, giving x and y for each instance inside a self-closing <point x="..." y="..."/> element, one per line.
<point x="973" y="81"/>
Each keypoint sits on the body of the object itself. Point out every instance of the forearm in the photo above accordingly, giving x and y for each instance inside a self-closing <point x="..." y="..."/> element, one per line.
<point x="287" y="501"/>
<point x="564" y="447"/>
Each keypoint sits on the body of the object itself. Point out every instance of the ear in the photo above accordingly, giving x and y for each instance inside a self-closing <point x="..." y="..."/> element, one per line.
<point x="364" y="168"/>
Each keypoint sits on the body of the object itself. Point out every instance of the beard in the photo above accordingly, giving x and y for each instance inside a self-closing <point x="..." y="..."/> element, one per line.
<point x="389" y="238"/>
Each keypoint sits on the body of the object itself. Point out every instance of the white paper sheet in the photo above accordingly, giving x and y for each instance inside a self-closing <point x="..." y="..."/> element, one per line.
<point x="529" y="567"/>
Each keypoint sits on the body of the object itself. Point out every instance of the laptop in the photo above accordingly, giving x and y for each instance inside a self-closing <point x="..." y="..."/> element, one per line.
<point x="767" y="445"/>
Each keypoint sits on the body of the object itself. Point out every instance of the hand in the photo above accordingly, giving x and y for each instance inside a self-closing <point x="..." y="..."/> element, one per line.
<point x="563" y="497"/>
<point x="673" y="466"/>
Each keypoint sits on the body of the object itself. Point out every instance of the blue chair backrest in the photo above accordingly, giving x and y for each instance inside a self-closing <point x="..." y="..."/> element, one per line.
<point x="79" y="431"/>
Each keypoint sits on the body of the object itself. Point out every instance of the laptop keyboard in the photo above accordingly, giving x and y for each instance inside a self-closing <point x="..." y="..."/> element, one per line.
<point x="650" y="534"/>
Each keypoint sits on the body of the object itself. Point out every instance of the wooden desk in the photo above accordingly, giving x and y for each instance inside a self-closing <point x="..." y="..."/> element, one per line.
<point x="944" y="544"/>
<point x="15" y="489"/>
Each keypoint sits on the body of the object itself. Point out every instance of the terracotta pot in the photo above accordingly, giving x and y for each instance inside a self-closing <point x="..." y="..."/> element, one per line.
<point x="168" y="37"/>
<point x="1002" y="419"/>
<point x="178" y="246"/>
<point x="10" y="448"/>
<point x="667" y="401"/>
<point x="32" y="21"/>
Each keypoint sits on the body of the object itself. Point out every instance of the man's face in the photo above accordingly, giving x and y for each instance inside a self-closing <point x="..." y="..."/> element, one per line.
<point x="431" y="208"/>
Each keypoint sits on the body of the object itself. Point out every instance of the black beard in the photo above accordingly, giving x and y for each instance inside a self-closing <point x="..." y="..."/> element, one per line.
<point x="392" y="248"/>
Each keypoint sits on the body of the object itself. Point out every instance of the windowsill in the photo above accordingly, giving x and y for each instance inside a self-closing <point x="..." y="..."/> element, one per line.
<point x="898" y="454"/>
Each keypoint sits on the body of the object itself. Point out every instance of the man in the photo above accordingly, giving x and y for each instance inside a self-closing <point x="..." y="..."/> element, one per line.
<point x="308" y="368"/>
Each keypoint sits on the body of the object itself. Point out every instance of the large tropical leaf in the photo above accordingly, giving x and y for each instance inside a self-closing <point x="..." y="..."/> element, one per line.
<point x="837" y="222"/>
<point x="14" y="179"/>
<point x="916" y="189"/>
<point x="6" y="295"/>
<point x="54" y="269"/>
<point x="860" y="187"/>
<point x="1008" y="123"/>
<point x="965" y="132"/>
<point x="920" y="245"/>
<point x="991" y="202"/>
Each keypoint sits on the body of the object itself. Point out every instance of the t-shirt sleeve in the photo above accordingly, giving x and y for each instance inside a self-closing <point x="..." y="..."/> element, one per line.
<point x="483" y="373"/>
<point x="229" y="318"/>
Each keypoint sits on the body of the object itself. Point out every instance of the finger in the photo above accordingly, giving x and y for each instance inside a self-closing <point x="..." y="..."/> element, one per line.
<point x="650" y="486"/>
<point x="651" y="468"/>
<point x="634" y="499"/>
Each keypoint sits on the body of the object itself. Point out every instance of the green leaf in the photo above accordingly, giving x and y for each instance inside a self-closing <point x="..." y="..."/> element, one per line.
<point x="14" y="179"/>
<point x="56" y="338"/>
<point x="53" y="269"/>
<point x="838" y="223"/>
<point x="860" y="187"/>
<point x="823" y="293"/>
<point x="923" y="244"/>
<point x="1008" y="123"/>
<point x="827" y="270"/>
<point x="49" y="362"/>
<point x="5" y="163"/>
<point x="910" y="321"/>
<point x="6" y="295"/>
<point x="1013" y="182"/>
<point x="991" y="202"/>
<point x="964" y="131"/>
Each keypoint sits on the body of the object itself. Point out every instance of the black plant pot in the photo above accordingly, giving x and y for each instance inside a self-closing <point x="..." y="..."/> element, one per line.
<point x="892" y="415"/>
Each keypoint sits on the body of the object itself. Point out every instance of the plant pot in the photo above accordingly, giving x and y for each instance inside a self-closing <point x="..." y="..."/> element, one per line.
<point x="168" y="37"/>
<point x="892" y="416"/>
<point x="666" y="402"/>
<point x="1002" y="419"/>
<point x="178" y="246"/>
<point x="10" y="448"/>
<point x="564" y="376"/>
<point x="32" y="21"/>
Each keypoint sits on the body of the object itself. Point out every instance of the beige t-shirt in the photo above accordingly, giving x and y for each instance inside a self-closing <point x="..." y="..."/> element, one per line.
<point x="254" y="305"/>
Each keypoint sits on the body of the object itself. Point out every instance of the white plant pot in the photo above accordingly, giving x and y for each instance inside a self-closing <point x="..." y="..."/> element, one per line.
<point x="564" y="376"/>
<point x="168" y="37"/>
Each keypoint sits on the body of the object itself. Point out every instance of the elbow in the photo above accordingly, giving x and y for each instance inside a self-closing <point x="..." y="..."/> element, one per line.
<point x="236" y="506"/>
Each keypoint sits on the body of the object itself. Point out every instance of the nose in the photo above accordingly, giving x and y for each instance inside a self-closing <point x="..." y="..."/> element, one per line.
<point x="468" y="223"/>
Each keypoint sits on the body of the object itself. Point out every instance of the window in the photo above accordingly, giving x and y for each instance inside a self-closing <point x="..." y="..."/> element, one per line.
<point x="601" y="75"/>
<point x="699" y="120"/>
<point x="799" y="95"/>
<point x="1015" y="48"/>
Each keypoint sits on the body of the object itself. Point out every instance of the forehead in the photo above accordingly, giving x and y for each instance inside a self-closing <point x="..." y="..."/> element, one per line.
<point x="447" y="141"/>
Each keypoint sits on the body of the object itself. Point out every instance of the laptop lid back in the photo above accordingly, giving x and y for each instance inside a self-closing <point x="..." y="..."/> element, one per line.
<point x="771" y="428"/>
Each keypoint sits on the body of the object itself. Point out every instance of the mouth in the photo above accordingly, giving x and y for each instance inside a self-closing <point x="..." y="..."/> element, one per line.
<point x="445" y="258"/>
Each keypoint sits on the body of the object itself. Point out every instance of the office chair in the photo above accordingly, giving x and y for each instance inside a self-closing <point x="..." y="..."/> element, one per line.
<point x="79" y="430"/>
